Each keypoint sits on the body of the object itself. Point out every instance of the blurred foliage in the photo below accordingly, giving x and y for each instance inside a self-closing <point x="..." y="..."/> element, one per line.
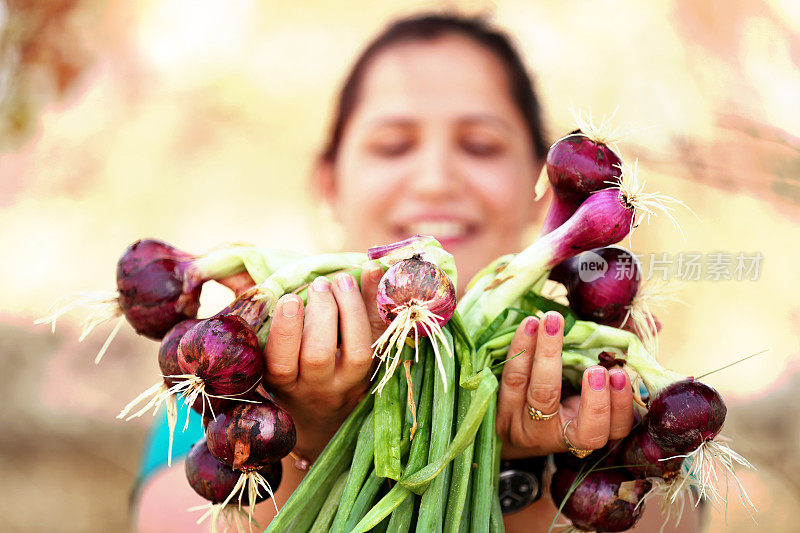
<point x="41" y="58"/>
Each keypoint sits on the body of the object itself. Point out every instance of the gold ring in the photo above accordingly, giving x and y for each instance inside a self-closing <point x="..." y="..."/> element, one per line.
<point x="538" y="415"/>
<point x="577" y="452"/>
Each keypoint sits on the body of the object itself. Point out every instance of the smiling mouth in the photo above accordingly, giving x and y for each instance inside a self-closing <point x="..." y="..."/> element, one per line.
<point x="443" y="230"/>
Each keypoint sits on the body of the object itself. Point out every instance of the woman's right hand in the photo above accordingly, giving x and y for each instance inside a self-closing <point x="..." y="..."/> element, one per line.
<point x="319" y="357"/>
<point x="603" y="411"/>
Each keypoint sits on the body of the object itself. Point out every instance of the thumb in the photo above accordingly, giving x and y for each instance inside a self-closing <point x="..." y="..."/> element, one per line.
<point x="370" y="277"/>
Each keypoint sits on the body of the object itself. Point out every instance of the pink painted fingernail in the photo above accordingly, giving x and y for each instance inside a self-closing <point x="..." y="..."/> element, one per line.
<point x="531" y="326"/>
<point x="345" y="282"/>
<point x="321" y="284"/>
<point x="375" y="273"/>
<point x="597" y="379"/>
<point x="552" y="323"/>
<point x="290" y="306"/>
<point x="617" y="379"/>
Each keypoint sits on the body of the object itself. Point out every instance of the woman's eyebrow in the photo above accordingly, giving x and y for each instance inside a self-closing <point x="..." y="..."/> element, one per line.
<point x="465" y="120"/>
<point x="395" y="121"/>
<point x="486" y="119"/>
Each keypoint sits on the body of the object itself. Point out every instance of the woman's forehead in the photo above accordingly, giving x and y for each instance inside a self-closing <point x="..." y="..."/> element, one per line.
<point x="450" y="75"/>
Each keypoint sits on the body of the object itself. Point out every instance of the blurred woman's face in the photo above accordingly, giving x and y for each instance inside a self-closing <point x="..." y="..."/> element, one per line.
<point x="436" y="146"/>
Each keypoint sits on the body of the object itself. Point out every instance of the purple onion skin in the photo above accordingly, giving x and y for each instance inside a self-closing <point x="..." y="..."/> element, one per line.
<point x="150" y="276"/>
<point x="168" y="351"/>
<point x="248" y="436"/>
<point x="605" y="300"/>
<point x="565" y="270"/>
<point x="578" y="166"/>
<point x="595" y="504"/>
<point x="416" y="281"/>
<point x="214" y="480"/>
<point x="253" y="312"/>
<point x="223" y="351"/>
<point x="684" y="415"/>
<point x="559" y="212"/>
<point x="639" y="449"/>
<point x="169" y="365"/>
<point x="602" y="220"/>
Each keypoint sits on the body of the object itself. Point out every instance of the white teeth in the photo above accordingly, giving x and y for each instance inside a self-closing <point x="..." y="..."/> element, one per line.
<point x="441" y="229"/>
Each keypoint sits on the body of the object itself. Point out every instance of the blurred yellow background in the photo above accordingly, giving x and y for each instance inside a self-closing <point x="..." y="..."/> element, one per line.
<point x="196" y="121"/>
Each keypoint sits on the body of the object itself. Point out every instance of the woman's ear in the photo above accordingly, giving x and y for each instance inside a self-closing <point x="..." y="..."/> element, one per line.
<point x="332" y="237"/>
<point x="539" y="207"/>
<point x="323" y="182"/>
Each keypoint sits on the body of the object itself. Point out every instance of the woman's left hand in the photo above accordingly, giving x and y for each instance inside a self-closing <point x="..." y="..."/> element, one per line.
<point x="603" y="411"/>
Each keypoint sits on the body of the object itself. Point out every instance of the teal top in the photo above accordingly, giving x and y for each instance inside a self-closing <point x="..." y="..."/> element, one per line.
<point x="157" y="445"/>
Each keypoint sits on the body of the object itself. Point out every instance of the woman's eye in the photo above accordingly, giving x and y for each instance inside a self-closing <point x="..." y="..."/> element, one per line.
<point x="391" y="147"/>
<point x="481" y="147"/>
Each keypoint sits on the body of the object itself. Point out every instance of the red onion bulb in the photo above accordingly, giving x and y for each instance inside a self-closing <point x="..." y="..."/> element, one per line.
<point x="220" y="484"/>
<point x="214" y="480"/>
<point x="684" y="415"/>
<point x="150" y="278"/>
<point x="602" y="284"/>
<point x="248" y="436"/>
<point x="414" y="296"/>
<point x="578" y="166"/>
<point x="220" y="356"/>
<point x="605" y="500"/>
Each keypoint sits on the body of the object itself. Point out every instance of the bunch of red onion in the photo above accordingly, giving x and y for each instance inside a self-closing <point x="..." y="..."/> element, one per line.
<point x="682" y="423"/>
<point x="216" y="366"/>
<point x="598" y="200"/>
<point x="215" y="361"/>
<point x="220" y="365"/>
<point x="670" y="450"/>
<point x="676" y="444"/>
<point x="604" y="218"/>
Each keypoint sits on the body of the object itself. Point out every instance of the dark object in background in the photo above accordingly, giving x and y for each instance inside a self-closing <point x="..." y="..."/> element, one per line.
<point x="520" y="483"/>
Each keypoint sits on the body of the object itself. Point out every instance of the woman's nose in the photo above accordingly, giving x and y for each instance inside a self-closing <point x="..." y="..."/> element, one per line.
<point x="434" y="175"/>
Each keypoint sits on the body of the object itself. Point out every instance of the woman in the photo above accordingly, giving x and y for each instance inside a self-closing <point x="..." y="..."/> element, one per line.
<point x="437" y="132"/>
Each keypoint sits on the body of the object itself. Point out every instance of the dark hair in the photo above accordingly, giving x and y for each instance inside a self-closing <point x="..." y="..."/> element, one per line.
<point x="428" y="27"/>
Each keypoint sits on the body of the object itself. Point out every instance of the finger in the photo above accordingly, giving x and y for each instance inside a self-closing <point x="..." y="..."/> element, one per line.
<point x="517" y="372"/>
<point x="621" y="404"/>
<point x="590" y="429"/>
<point x="320" y="333"/>
<point x="370" y="277"/>
<point x="544" y="391"/>
<point x="238" y="283"/>
<point x="283" y="343"/>
<point x="355" y="330"/>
